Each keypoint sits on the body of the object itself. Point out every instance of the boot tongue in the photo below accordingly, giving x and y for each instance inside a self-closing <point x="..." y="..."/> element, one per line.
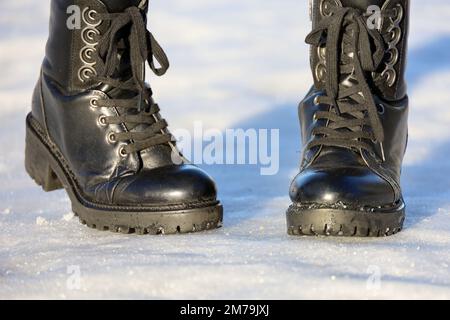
<point x="115" y="6"/>
<point x="362" y="4"/>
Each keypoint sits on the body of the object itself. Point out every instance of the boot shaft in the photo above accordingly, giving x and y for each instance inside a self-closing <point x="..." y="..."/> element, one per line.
<point x="73" y="38"/>
<point x="388" y="80"/>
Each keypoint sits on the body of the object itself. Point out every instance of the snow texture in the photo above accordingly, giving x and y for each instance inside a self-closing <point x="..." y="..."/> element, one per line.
<point x="235" y="64"/>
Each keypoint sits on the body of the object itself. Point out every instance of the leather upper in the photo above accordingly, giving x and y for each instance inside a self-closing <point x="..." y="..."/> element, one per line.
<point x="357" y="185"/>
<point x="339" y="174"/>
<point x="63" y="105"/>
<point x="357" y="178"/>
<point x="159" y="186"/>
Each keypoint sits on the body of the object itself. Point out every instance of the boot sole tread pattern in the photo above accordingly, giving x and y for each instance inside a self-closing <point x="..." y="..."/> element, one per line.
<point x="344" y="223"/>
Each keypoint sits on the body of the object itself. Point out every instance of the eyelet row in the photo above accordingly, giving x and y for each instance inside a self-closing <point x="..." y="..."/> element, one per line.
<point x="320" y="70"/>
<point x="389" y="74"/>
<point x="111" y="137"/>
<point x="88" y="37"/>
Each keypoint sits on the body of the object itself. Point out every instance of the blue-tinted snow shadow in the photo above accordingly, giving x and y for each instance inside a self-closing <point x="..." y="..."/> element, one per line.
<point x="242" y="188"/>
<point x="429" y="178"/>
<point x="431" y="57"/>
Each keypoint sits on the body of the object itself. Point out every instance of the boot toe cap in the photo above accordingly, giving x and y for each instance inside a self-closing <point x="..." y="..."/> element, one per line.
<point x="165" y="186"/>
<point x="352" y="186"/>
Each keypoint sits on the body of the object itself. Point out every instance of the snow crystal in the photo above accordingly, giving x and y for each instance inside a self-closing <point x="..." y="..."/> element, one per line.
<point x="40" y="221"/>
<point x="68" y="216"/>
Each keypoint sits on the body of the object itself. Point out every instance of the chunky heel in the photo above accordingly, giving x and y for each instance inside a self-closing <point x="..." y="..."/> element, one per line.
<point x="37" y="164"/>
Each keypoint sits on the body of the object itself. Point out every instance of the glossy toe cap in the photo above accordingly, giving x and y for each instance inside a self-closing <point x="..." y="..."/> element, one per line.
<point x="165" y="186"/>
<point x="357" y="186"/>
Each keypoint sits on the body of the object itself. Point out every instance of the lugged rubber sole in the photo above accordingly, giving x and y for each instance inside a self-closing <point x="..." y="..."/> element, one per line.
<point x="346" y="223"/>
<point x="46" y="166"/>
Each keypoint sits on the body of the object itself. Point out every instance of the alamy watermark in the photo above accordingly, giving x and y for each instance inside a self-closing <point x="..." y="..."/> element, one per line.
<point x="373" y="282"/>
<point x="73" y="281"/>
<point x="374" y="19"/>
<point x="73" y="22"/>
<point x="259" y="147"/>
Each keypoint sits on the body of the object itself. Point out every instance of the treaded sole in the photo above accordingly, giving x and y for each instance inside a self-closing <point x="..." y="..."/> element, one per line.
<point x="159" y="223"/>
<point x="45" y="167"/>
<point x="344" y="223"/>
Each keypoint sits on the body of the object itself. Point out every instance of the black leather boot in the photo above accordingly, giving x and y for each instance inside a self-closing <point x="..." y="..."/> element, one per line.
<point x="95" y="130"/>
<point x="353" y="121"/>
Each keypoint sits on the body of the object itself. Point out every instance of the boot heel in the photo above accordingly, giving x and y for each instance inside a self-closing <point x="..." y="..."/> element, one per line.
<point x="37" y="164"/>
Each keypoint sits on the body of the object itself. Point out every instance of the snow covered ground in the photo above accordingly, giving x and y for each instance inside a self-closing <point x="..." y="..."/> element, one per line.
<point x="235" y="64"/>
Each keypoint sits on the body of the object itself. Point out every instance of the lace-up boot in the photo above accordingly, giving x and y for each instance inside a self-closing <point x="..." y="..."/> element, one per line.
<point x="96" y="131"/>
<point x="353" y="121"/>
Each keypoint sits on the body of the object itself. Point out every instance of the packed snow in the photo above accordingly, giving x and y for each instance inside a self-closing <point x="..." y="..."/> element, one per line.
<point x="234" y="64"/>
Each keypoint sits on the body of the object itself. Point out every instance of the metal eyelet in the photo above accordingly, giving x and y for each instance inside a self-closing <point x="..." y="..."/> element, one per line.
<point x="111" y="137"/>
<point x="315" y="117"/>
<point x="122" y="152"/>
<point x="92" y="14"/>
<point x="89" y="36"/>
<point x="390" y="76"/>
<point x="94" y="102"/>
<point x="90" y="17"/>
<point x="381" y="109"/>
<point x="399" y="12"/>
<point x="322" y="51"/>
<point x="393" y="56"/>
<point x="320" y="71"/>
<point x="395" y="35"/>
<point x="86" y="73"/>
<point x="316" y="100"/>
<point x="102" y="121"/>
<point x="326" y="5"/>
<point x="87" y="54"/>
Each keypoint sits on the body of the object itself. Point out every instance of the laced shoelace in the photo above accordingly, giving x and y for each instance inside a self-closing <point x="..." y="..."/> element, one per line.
<point x="352" y="51"/>
<point x="139" y="114"/>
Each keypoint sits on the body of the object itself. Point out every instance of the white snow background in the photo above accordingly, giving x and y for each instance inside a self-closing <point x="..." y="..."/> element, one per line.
<point x="234" y="64"/>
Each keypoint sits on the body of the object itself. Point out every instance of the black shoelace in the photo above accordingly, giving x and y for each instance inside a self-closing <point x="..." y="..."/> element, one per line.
<point x="352" y="52"/>
<point x="139" y="114"/>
